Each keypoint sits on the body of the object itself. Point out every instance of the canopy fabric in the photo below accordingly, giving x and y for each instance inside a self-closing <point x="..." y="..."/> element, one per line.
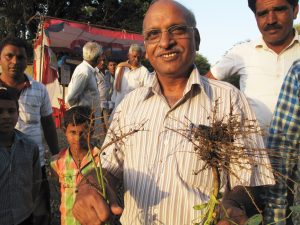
<point x="58" y="35"/>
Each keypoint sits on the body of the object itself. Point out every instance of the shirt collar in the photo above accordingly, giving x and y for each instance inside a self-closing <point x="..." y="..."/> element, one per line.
<point x="193" y="81"/>
<point x="260" y="43"/>
<point x="27" y="82"/>
<point x="86" y="159"/>
<point x="89" y="65"/>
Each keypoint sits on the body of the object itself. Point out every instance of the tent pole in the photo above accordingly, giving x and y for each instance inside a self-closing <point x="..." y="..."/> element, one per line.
<point x="42" y="50"/>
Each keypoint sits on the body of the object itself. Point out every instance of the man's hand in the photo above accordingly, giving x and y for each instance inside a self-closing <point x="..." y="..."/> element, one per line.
<point x="235" y="216"/>
<point x="90" y="208"/>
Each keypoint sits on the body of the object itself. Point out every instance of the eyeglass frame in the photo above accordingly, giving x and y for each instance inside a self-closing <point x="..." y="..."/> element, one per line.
<point x="169" y="31"/>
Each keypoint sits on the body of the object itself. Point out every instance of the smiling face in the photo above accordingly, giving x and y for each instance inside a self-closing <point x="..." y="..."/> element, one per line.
<point x="135" y="58"/>
<point x="13" y="61"/>
<point x="169" y="56"/>
<point x="275" y="21"/>
<point x="8" y="115"/>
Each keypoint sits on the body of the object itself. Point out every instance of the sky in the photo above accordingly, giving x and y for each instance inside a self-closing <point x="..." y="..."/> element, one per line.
<point x="223" y="23"/>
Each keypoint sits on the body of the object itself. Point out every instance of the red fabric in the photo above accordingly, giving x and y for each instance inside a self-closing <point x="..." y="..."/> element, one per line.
<point x="49" y="74"/>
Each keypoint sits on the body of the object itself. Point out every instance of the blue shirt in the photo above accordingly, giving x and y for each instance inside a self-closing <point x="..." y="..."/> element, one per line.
<point x="283" y="142"/>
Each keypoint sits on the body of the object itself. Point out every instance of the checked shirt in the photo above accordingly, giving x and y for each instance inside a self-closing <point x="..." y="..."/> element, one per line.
<point x="69" y="177"/>
<point x="284" y="141"/>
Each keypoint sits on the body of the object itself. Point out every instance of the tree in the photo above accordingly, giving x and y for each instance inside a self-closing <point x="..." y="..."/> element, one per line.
<point x="202" y="64"/>
<point x="297" y="27"/>
<point x="16" y="16"/>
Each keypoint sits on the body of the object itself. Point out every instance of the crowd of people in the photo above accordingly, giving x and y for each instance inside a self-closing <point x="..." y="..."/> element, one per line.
<point x="157" y="164"/>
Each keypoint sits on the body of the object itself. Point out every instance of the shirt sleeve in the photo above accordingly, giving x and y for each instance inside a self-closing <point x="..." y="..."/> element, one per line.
<point x="46" y="107"/>
<point x="283" y="142"/>
<point x="229" y="64"/>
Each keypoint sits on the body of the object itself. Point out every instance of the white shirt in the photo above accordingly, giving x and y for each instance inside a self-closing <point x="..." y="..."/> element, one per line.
<point x="157" y="164"/>
<point x="83" y="89"/>
<point x="261" y="73"/>
<point x="131" y="80"/>
<point x="34" y="103"/>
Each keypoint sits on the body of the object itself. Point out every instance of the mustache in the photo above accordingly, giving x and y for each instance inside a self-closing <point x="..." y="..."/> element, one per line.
<point x="272" y="27"/>
<point x="167" y="51"/>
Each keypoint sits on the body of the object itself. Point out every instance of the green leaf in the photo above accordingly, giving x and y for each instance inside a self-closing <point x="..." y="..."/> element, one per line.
<point x="295" y="208"/>
<point x="200" y="207"/>
<point x="254" y="220"/>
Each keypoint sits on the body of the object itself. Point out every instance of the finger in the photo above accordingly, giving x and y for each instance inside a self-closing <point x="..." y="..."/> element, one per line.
<point x="90" y="207"/>
<point x="114" y="206"/>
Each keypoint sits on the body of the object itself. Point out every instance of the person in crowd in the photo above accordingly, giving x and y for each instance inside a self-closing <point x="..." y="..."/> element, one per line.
<point x="71" y="164"/>
<point x="284" y="141"/>
<point x="105" y="86"/>
<point x="83" y="87"/>
<point x="157" y="164"/>
<point x="35" y="112"/>
<point x="129" y="75"/>
<point x="263" y="63"/>
<point x="19" y="166"/>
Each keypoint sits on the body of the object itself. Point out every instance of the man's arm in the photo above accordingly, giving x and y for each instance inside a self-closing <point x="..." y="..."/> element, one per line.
<point x="50" y="134"/>
<point x="241" y="203"/>
<point x="209" y="75"/>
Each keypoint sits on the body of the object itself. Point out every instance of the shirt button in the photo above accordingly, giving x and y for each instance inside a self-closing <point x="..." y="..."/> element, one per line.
<point x="166" y="142"/>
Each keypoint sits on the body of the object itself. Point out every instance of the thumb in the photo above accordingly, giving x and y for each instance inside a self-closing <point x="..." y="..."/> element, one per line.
<point x="116" y="209"/>
<point x="113" y="202"/>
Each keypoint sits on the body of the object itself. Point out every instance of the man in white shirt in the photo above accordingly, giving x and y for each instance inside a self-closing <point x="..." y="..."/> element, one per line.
<point x="263" y="63"/>
<point x="129" y="75"/>
<point x="83" y="88"/>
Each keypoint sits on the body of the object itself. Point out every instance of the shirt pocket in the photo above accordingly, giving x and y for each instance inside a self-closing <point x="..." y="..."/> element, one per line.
<point x="30" y="112"/>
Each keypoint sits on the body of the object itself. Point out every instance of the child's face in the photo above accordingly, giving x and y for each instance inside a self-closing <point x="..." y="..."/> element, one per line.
<point x="8" y="115"/>
<point x="77" y="136"/>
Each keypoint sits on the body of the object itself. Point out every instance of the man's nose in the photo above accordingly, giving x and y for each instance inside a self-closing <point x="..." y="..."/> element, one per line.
<point x="271" y="17"/>
<point x="166" y="40"/>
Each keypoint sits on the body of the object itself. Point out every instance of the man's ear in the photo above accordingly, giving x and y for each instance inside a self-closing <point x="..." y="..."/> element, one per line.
<point x="296" y="9"/>
<point x="197" y="38"/>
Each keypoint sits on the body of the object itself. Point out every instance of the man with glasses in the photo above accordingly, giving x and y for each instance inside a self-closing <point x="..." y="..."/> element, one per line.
<point x="157" y="164"/>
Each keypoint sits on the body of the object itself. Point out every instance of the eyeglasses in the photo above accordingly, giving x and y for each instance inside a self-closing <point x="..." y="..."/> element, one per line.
<point x="176" y="32"/>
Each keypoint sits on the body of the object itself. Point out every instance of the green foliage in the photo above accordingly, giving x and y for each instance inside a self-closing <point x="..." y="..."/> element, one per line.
<point x="200" y="207"/>
<point x="255" y="220"/>
<point x="295" y="208"/>
<point x="297" y="27"/>
<point x="16" y="17"/>
<point x="234" y="80"/>
<point x="202" y="64"/>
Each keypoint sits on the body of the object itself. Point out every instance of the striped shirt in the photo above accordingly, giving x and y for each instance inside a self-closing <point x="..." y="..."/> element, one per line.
<point x="20" y="177"/>
<point x="69" y="176"/>
<point x="285" y="139"/>
<point x="157" y="165"/>
<point x="34" y="103"/>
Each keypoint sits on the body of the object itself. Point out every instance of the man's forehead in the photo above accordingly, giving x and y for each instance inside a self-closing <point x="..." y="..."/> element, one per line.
<point x="164" y="10"/>
<point x="9" y="48"/>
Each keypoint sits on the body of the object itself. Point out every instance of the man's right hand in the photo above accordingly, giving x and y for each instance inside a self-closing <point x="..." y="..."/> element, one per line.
<point x="90" y="208"/>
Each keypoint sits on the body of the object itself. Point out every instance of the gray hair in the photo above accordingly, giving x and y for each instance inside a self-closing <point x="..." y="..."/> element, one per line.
<point x="91" y="51"/>
<point x="135" y="48"/>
